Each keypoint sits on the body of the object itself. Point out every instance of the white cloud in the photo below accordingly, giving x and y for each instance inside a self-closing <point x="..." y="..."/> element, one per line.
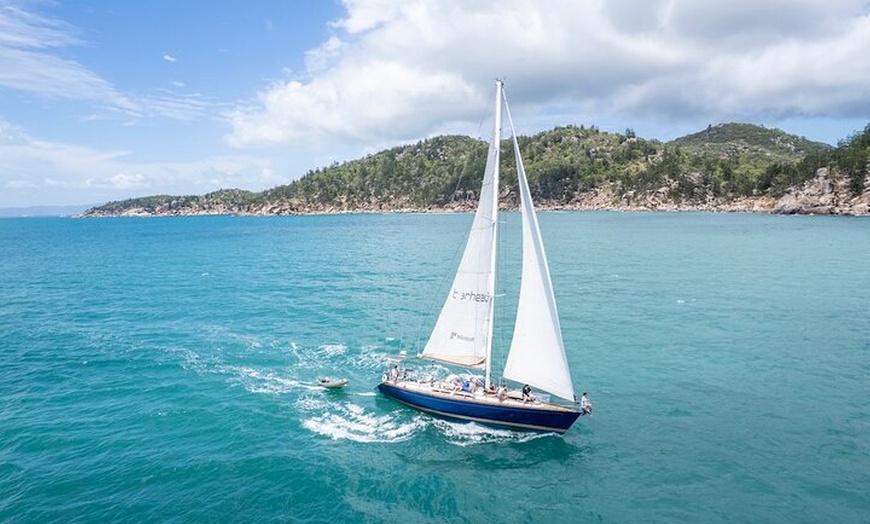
<point x="395" y="71"/>
<point x="35" y="172"/>
<point x="364" y="15"/>
<point x="39" y="72"/>
<point x="379" y="102"/>
<point x="30" y="61"/>
<point x="399" y="70"/>
<point x="27" y="41"/>
<point x="126" y="181"/>
<point x="20" y="28"/>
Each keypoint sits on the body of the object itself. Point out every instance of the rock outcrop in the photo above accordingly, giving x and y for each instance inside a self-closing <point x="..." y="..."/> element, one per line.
<point x="825" y="194"/>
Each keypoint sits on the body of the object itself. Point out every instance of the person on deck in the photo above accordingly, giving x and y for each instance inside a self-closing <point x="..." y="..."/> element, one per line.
<point x="394" y="374"/>
<point x="527" y="393"/>
<point x="585" y="405"/>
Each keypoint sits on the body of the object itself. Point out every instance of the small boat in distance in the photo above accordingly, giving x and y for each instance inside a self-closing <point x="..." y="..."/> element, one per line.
<point x="463" y="333"/>
<point x="331" y="383"/>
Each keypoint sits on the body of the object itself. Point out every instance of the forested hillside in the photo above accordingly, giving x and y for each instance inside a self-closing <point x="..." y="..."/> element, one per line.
<point x="568" y="167"/>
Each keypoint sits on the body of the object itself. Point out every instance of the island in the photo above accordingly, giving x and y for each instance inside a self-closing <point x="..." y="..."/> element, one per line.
<point x="729" y="167"/>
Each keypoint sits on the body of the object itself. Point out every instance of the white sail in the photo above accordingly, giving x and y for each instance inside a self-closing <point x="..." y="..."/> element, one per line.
<point x="463" y="331"/>
<point x="537" y="353"/>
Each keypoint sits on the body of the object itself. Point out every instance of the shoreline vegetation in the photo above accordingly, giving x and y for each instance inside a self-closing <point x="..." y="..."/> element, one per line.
<point x="724" y="168"/>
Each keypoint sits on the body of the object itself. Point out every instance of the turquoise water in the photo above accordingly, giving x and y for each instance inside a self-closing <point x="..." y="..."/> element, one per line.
<point x="160" y="370"/>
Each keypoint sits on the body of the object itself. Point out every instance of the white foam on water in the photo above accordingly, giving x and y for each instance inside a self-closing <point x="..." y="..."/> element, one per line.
<point x="333" y="349"/>
<point x="265" y="382"/>
<point x="225" y="339"/>
<point x="293" y="350"/>
<point x="470" y="433"/>
<point x="259" y="381"/>
<point x="192" y="360"/>
<point x="371" y="358"/>
<point x="352" y="422"/>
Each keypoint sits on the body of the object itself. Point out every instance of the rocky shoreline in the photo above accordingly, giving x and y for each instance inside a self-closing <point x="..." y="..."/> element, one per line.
<point x="822" y="195"/>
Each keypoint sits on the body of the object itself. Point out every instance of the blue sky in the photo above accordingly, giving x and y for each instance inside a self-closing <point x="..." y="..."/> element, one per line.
<point x="107" y="100"/>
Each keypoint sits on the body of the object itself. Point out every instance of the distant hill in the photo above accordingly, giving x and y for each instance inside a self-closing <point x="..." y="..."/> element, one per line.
<point x="733" y="140"/>
<point x="725" y="167"/>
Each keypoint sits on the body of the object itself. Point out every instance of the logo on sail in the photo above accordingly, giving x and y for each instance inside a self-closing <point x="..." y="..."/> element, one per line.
<point x="471" y="295"/>
<point x="461" y="337"/>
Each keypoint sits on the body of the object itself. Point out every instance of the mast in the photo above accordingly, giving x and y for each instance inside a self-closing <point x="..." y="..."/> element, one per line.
<point x="496" y="138"/>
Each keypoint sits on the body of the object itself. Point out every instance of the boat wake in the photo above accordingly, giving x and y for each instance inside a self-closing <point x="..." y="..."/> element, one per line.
<point x="348" y="421"/>
<point x="368" y="359"/>
<point x="347" y="415"/>
<point x="252" y="379"/>
<point x="331" y="350"/>
<point x="469" y="433"/>
<point x="259" y="381"/>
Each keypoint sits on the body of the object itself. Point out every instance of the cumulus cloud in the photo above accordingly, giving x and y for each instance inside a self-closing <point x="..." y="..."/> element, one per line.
<point x="169" y="58"/>
<point x="397" y="70"/>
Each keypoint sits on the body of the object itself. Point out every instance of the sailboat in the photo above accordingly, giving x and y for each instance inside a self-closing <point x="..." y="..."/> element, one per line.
<point x="463" y="334"/>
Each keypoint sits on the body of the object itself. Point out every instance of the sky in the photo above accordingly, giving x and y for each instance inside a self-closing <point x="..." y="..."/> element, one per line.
<point x="108" y="100"/>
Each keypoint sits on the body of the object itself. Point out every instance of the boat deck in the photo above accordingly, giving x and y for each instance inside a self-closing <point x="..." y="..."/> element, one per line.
<point x="446" y="391"/>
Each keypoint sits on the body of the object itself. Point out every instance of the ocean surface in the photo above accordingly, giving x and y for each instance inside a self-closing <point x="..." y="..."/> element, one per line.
<point x="162" y="369"/>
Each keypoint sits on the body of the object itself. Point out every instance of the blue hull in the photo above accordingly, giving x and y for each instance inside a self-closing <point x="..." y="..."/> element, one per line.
<point x="533" y="417"/>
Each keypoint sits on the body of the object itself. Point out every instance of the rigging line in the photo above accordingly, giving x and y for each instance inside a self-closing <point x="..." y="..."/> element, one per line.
<point x="480" y="123"/>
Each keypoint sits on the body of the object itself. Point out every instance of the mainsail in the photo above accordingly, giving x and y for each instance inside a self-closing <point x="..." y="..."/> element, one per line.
<point x="463" y="333"/>
<point x="537" y="354"/>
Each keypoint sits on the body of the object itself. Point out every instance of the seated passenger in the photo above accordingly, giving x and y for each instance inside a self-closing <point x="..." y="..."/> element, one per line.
<point x="527" y="393"/>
